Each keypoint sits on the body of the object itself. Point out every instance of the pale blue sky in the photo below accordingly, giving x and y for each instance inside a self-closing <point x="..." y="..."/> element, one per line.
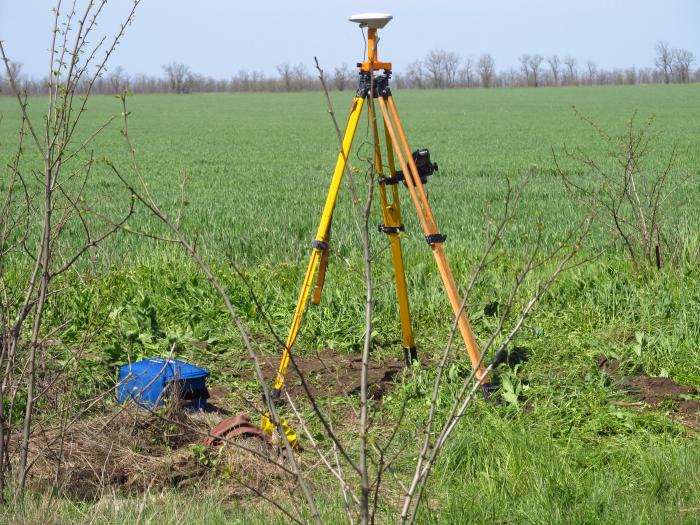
<point x="218" y="38"/>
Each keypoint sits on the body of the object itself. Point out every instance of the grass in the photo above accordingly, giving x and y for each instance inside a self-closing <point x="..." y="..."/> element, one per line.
<point x="258" y="168"/>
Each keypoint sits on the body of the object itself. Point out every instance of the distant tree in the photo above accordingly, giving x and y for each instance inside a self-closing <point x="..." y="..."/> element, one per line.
<point x="554" y="66"/>
<point x="241" y="81"/>
<point x="664" y="60"/>
<point x="441" y="67"/>
<point x="341" y="77"/>
<point x="616" y="76"/>
<point x="592" y="69"/>
<point x="435" y="66"/>
<point x="198" y="83"/>
<point x="300" y="78"/>
<point x="570" y="63"/>
<point x="510" y="77"/>
<point x="285" y="72"/>
<point x="117" y="81"/>
<point x="14" y="72"/>
<point x="535" y="64"/>
<point x="258" y="80"/>
<point x="645" y="75"/>
<point x="486" y="69"/>
<point x="414" y="74"/>
<point x="466" y="73"/>
<point x="524" y="60"/>
<point x="682" y="61"/>
<point x="179" y="77"/>
<point x="451" y="67"/>
<point x="141" y="83"/>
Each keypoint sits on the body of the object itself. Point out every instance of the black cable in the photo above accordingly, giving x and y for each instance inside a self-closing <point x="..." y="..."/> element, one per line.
<point x="364" y="49"/>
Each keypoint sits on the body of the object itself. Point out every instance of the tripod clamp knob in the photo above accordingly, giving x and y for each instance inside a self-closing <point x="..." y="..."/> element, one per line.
<point x="391" y="229"/>
<point x="381" y="85"/>
<point x="435" y="238"/>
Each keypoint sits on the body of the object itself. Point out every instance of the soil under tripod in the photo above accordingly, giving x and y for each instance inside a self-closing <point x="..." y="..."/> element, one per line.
<point x="415" y="167"/>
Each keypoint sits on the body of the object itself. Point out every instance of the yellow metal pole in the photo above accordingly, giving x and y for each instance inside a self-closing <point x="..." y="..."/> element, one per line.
<point x="393" y="224"/>
<point x="407" y="341"/>
<point x="320" y="243"/>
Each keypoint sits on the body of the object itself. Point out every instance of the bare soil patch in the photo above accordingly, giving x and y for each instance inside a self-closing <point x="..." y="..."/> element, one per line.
<point x="332" y="374"/>
<point x="658" y="392"/>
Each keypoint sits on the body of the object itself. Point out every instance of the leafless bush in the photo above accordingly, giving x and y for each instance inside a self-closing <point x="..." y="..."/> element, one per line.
<point x="46" y="220"/>
<point x="632" y="196"/>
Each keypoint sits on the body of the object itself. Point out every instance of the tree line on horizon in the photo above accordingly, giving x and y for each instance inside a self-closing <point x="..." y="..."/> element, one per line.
<point x="439" y="69"/>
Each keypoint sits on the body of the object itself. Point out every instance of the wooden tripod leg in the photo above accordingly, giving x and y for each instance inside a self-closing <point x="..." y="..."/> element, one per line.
<point x="393" y="225"/>
<point x="432" y="234"/>
<point x="320" y="243"/>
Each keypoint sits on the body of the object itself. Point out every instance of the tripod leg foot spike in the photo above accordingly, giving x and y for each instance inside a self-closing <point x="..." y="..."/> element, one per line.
<point x="410" y="354"/>
<point x="489" y="389"/>
<point x="275" y="395"/>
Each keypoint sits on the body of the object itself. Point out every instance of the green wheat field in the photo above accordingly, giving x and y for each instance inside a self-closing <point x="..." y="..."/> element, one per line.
<point x="564" y="448"/>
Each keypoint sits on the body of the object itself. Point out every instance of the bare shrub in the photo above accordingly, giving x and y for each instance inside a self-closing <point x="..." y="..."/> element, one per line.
<point x="48" y="224"/>
<point x="631" y="195"/>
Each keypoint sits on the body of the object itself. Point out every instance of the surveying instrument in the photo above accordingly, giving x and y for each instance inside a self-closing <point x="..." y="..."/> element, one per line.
<point x="415" y="167"/>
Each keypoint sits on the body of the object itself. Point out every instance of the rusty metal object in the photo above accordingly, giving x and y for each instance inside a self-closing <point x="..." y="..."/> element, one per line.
<point x="235" y="427"/>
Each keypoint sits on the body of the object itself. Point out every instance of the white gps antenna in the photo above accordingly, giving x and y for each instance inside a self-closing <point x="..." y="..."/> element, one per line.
<point x="371" y="20"/>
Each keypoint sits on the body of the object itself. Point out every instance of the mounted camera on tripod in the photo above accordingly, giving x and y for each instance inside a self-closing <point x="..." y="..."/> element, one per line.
<point x="421" y="158"/>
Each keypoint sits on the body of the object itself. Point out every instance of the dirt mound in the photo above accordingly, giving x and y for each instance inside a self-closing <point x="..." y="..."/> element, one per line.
<point x="332" y="374"/>
<point x="658" y="392"/>
<point x="132" y="451"/>
<point x="662" y="391"/>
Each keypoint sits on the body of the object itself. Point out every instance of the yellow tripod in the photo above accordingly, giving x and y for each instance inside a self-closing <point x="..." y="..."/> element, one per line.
<point x="377" y="86"/>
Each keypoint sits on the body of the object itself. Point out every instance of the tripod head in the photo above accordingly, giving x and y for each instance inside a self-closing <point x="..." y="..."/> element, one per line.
<point x="372" y="21"/>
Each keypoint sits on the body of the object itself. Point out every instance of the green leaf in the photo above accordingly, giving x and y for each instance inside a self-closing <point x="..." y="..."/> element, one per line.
<point x="511" y="398"/>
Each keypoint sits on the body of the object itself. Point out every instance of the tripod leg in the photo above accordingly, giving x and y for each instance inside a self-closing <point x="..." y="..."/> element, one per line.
<point x="392" y="226"/>
<point x="434" y="238"/>
<point x="409" y="345"/>
<point x="320" y="243"/>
